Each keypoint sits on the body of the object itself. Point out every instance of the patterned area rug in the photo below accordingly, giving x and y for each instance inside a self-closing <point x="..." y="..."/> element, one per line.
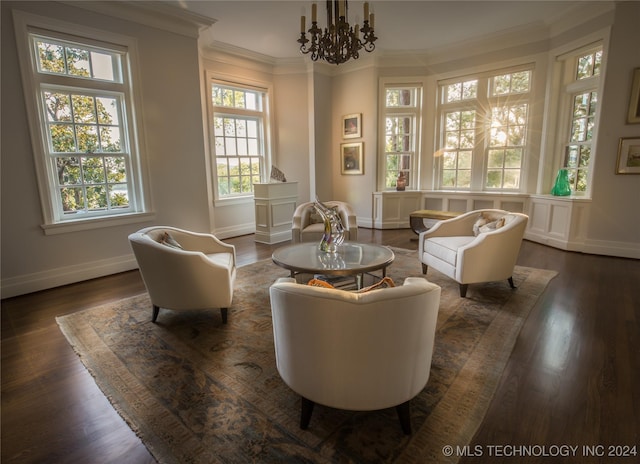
<point x="198" y="391"/>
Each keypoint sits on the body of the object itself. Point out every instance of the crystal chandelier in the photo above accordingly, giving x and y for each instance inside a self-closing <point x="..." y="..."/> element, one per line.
<point x="338" y="42"/>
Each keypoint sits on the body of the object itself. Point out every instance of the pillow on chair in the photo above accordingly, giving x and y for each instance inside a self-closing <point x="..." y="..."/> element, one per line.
<point x="315" y="218"/>
<point x="385" y="282"/>
<point x="490" y="226"/>
<point x="487" y="222"/>
<point x="168" y="240"/>
<point x="319" y="283"/>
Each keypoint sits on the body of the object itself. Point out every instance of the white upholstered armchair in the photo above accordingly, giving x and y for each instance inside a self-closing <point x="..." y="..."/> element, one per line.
<point x="308" y="225"/>
<point x="478" y="246"/>
<point x="355" y="351"/>
<point x="185" y="270"/>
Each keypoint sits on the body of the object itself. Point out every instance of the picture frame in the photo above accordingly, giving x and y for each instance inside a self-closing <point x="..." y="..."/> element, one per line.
<point x="352" y="158"/>
<point x="352" y="126"/>
<point x="628" y="156"/>
<point x="633" y="116"/>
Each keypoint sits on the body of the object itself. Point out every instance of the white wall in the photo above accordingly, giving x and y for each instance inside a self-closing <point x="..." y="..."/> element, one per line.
<point x="292" y="153"/>
<point x="356" y="91"/>
<point x="615" y="213"/>
<point x="321" y="135"/>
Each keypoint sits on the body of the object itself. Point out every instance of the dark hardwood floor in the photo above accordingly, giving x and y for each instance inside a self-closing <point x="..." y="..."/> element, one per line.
<point x="573" y="377"/>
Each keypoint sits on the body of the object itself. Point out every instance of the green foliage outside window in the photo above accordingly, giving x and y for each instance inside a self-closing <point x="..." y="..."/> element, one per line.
<point x="238" y="138"/>
<point x="401" y="115"/>
<point x="484" y="127"/>
<point x="84" y="131"/>
<point x="578" y="151"/>
<point x="589" y="65"/>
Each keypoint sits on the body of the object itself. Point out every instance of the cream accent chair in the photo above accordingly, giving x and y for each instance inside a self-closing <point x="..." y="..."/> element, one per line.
<point x="355" y="351"/>
<point x="304" y="229"/>
<point x="200" y="275"/>
<point x="452" y="248"/>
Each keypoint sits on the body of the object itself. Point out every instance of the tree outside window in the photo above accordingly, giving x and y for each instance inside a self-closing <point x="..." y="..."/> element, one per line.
<point x="583" y="111"/>
<point x="400" y="126"/>
<point x="483" y="131"/>
<point x="239" y="139"/>
<point x="82" y="94"/>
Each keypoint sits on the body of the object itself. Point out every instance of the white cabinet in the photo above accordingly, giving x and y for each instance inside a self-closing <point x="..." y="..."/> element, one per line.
<point x="560" y="222"/>
<point x="275" y="204"/>
<point x="391" y="210"/>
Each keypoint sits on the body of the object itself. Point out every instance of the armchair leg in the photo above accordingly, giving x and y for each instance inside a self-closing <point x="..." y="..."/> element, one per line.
<point x="424" y="268"/>
<point x="224" y="312"/>
<point x="463" y="290"/>
<point x="305" y="416"/>
<point x="156" y="311"/>
<point x="511" y="283"/>
<point x="405" y="417"/>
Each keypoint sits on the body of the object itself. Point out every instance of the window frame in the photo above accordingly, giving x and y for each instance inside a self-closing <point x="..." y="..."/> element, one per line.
<point x="414" y="153"/>
<point x="571" y="87"/>
<point x="54" y="219"/>
<point x="482" y="104"/>
<point x="266" y="91"/>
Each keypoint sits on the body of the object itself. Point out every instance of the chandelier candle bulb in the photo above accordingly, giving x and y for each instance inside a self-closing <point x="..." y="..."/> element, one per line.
<point x="314" y="12"/>
<point x="302" y="26"/>
<point x="366" y="10"/>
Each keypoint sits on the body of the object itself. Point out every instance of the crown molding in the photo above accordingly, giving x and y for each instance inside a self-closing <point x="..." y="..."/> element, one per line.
<point x="574" y="17"/>
<point x="223" y="51"/>
<point x="498" y="41"/>
<point x="154" y="14"/>
<point x="247" y="59"/>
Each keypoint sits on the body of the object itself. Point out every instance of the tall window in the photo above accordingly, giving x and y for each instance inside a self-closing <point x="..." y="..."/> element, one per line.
<point x="483" y="131"/>
<point x="583" y="93"/>
<point x="402" y="106"/>
<point x="83" y="98"/>
<point x="239" y="117"/>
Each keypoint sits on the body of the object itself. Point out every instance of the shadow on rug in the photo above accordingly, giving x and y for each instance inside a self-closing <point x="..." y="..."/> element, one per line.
<point x="198" y="391"/>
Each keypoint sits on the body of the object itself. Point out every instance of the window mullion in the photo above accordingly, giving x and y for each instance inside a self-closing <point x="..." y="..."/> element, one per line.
<point x="483" y="121"/>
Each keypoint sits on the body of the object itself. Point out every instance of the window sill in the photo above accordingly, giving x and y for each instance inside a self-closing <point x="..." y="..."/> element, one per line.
<point x="548" y="196"/>
<point x="96" y="223"/>
<point x="231" y="201"/>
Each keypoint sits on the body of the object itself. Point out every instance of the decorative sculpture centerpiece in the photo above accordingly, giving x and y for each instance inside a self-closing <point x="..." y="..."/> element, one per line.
<point x="333" y="228"/>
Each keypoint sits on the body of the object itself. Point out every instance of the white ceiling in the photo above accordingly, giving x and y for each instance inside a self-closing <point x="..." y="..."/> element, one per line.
<point x="271" y="28"/>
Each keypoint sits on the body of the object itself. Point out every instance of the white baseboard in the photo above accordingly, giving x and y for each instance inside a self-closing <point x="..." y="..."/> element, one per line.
<point x="391" y="225"/>
<point x="43" y="280"/>
<point x="619" y="249"/>
<point x="595" y="247"/>
<point x="273" y="238"/>
<point x="235" y="231"/>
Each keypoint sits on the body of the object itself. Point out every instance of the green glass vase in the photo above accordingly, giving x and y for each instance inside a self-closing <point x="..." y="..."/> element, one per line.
<point x="562" y="187"/>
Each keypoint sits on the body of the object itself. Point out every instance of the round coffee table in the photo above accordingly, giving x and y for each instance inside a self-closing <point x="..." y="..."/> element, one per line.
<point x="351" y="259"/>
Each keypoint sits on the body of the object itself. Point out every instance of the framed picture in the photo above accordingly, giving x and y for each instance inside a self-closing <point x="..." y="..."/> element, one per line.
<point x="351" y="126"/>
<point x="351" y="158"/>
<point x="628" y="156"/>
<point x="634" y="102"/>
